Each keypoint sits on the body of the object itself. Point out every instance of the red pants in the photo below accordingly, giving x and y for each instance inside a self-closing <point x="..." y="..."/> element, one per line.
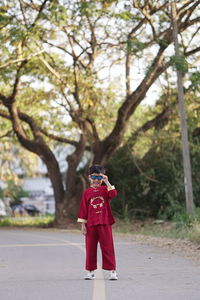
<point x="103" y="235"/>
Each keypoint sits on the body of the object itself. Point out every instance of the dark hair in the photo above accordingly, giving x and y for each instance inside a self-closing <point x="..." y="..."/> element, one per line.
<point x="96" y="169"/>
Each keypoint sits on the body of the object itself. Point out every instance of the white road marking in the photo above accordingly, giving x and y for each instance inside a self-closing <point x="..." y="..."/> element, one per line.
<point x="67" y="243"/>
<point x="36" y="245"/>
<point x="99" y="291"/>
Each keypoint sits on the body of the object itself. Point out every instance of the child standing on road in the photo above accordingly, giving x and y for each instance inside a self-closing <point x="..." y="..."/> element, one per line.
<point x="96" y="218"/>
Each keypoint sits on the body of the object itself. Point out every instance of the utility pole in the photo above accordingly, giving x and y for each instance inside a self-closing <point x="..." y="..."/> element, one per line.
<point x="183" y="122"/>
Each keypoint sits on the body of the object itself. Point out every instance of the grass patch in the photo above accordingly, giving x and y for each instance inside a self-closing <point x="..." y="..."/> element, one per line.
<point x="169" y="230"/>
<point x="166" y="229"/>
<point x="26" y="221"/>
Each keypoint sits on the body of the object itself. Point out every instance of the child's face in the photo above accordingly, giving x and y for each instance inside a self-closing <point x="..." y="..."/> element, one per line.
<point x="95" y="179"/>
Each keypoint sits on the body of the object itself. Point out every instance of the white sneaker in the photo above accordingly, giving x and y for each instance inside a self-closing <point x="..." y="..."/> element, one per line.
<point x="89" y="275"/>
<point x="113" y="275"/>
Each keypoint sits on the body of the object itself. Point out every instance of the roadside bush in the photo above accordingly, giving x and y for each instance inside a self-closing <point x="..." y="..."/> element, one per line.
<point x="15" y="192"/>
<point x="152" y="186"/>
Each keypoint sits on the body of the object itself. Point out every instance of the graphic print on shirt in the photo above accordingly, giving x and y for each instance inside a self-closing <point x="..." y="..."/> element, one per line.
<point x="97" y="203"/>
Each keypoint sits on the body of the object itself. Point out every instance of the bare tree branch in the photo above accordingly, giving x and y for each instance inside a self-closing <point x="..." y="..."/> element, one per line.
<point x="191" y="52"/>
<point x="188" y="12"/>
<point x="51" y="69"/>
<point x="39" y="12"/>
<point x="4" y="115"/>
<point x="147" y="16"/>
<point x="157" y="122"/>
<point x="17" y="81"/>
<point x="37" y="129"/>
<point x="59" y="138"/>
<point x="20" y="60"/>
<point x="185" y="4"/>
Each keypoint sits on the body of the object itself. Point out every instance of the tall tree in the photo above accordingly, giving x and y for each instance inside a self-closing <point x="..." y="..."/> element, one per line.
<point x="58" y="68"/>
<point x="183" y="121"/>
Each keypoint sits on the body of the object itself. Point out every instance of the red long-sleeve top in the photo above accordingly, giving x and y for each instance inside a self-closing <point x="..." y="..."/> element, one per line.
<point x="95" y="206"/>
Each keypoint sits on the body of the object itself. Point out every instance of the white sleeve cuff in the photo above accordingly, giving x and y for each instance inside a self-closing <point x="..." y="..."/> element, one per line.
<point x="110" y="188"/>
<point x="82" y="220"/>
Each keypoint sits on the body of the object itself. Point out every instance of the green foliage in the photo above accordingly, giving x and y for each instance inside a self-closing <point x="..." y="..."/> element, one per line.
<point x="87" y="8"/>
<point x="1" y="193"/>
<point x="15" y="192"/>
<point x="126" y="15"/>
<point x="195" y="81"/>
<point x="152" y="185"/>
<point x="162" y="42"/>
<point x="148" y="171"/>
<point x="27" y="162"/>
<point x="134" y="45"/>
<point x="26" y="221"/>
<point x="182" y="218"/>
<point x="180" y="63"/>
<point x="182" y="226"/>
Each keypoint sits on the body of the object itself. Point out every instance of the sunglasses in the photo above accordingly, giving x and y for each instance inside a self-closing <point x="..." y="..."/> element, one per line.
<point x="99" y="177"/>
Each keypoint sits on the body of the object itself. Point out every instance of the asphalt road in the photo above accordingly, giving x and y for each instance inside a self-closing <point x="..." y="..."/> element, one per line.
<point x="49" y="265"/>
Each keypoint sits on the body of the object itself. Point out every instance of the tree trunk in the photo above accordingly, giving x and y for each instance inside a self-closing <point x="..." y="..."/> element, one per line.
<point x="40" y="148"/>
<point x="67" y="210"/>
